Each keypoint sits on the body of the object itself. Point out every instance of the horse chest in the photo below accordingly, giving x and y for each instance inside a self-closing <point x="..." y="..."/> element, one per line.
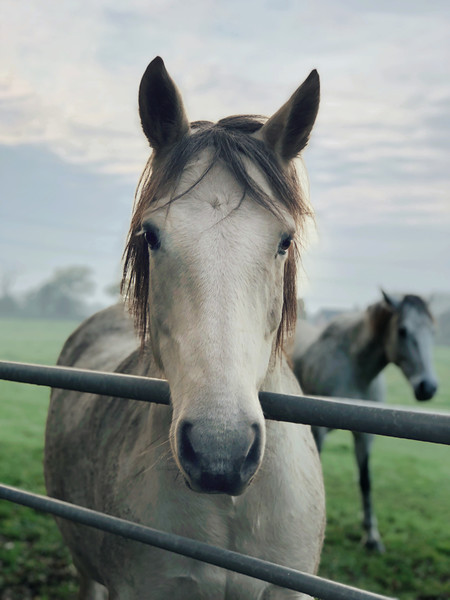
<point x="264" y="523"/>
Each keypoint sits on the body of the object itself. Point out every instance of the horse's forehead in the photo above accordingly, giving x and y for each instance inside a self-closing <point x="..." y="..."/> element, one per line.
<point x="218" y="180"/>
<point x="215" y="186"/>
<point x="211" y="194"/>
<point x="414" y="316"/>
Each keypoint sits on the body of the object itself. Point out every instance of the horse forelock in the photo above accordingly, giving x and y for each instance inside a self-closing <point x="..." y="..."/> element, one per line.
<point x="380" y="314"/>
<point x="416" y="302"/>
<point x="232" y="143"/>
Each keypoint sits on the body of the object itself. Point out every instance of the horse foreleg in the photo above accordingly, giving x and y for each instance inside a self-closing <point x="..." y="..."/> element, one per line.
<point x="372" y="538"/>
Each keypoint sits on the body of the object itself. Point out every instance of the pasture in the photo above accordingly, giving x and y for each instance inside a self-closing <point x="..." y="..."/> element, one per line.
<point x="412" y="491"/>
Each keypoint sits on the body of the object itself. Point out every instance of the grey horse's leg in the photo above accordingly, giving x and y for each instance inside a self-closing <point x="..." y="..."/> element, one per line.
<point x="319" y="434"/>
<point x="372" y="538"/>
<point x="91" y="590"/>
<point x="273" y="593"/>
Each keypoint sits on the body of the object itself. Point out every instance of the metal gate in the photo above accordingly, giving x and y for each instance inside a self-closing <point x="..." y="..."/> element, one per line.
<point x="334" y="413"/>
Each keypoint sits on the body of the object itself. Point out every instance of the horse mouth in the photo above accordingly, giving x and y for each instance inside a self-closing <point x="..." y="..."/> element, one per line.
<point x="425" y="390"/>
<point x="423" y="397"/>
<point x="217" y="484"/>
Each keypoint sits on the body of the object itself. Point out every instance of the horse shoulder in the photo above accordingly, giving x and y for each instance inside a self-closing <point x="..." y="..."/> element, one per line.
<point x="96" y="445"/>
<point x="324" y="366"/>
<point x="80" y="426"/>
<point x="101" y="341"/>
<point x="305" y="334"/>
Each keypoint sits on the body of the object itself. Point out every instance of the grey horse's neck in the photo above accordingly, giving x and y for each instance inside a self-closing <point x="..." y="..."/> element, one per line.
<point x="368" y="348"/>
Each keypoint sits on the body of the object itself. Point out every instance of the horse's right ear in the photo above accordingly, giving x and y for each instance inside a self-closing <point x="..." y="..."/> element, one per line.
<point x="160" y="107"/>
<point x="287" y="131"/>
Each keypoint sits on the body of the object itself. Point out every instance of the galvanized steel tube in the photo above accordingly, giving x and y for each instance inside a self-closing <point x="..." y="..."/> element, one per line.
<point x="354" y="415"/>
<point x="233" y="561"/>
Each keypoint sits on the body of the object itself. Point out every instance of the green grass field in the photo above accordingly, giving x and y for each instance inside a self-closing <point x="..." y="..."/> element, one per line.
<point x="411" y="492"/>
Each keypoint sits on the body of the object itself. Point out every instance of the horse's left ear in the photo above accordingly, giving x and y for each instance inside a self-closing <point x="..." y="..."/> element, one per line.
<point x="390" y="300"/>
<point x="160" y="107"/>
<point x="288" y="130"/>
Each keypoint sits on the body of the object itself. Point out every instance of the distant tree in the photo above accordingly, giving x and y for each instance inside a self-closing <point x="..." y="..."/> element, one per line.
<point x="301" y="309"/>
<point x="113" y="290"/>
<point x="443" y="329"/>
<point x="63" y="296"/>
<point x="9" y="306"/>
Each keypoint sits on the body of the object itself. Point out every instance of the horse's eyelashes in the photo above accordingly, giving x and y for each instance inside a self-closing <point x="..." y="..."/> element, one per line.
<point x="152" y="237"/>
<point x="284" y="244"/>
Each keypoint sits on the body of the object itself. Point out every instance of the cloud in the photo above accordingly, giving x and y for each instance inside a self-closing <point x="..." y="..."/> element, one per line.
<point x="378" y="158"/>
<point x="80" y="69"/>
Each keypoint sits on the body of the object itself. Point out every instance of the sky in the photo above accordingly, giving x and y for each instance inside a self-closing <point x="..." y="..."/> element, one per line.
<point x="71" y="148"/>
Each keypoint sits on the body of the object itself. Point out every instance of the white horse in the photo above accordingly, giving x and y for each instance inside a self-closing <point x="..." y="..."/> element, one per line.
<point x="346" y="360"/>
<point x="210" y="277"/>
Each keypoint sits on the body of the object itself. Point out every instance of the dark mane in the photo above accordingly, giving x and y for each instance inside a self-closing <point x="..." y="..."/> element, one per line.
<point x="418" y="303"/>
<point x="231" y="142"/>
<point x="380" y="314"/>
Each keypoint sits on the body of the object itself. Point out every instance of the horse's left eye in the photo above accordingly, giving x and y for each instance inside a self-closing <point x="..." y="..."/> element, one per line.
<point x="284" y="244"/>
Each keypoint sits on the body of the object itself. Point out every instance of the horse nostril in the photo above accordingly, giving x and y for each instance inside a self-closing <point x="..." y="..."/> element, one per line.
<point x="253" y="458"/>
<point x="186" y="449"/>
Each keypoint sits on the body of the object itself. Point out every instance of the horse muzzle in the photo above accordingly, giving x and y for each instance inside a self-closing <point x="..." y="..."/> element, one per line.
<point x="425" y="389"/>
<point x="219" y="464"/>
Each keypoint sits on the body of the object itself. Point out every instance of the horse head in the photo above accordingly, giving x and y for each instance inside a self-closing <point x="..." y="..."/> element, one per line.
<point x="409" y="343"/>
<point x="210" y="269"/>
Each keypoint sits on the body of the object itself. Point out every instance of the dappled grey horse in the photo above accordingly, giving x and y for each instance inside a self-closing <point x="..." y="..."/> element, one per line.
<point x="346" y="359"/>
<point x="209" y="274"/>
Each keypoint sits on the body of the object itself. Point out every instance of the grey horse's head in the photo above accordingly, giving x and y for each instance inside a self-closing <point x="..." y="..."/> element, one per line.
<point x="409" y="342"/>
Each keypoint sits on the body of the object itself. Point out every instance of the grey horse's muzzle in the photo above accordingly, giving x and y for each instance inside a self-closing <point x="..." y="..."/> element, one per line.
<point x="425" y="389"/>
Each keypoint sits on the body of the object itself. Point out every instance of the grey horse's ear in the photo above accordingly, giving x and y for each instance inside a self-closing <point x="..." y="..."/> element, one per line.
<point x="390" y="300"/>
<point x="287" y="131"/>
<point x="160" y="107"/>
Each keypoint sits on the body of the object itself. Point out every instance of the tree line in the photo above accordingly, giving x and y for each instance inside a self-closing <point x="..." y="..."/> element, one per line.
<point x="65" y="295"/>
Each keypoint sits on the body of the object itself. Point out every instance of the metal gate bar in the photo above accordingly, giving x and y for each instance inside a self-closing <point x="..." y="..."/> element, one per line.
<point x="354" y="415"/>
<point x="227" y="559"/>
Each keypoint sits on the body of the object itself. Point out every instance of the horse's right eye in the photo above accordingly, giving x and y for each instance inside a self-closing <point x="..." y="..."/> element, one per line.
<point x="152" y="237"/>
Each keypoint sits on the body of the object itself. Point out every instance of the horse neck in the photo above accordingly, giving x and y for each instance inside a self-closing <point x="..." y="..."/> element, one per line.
<point x="368" y="348"/>
<point x="274" y="380"/>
